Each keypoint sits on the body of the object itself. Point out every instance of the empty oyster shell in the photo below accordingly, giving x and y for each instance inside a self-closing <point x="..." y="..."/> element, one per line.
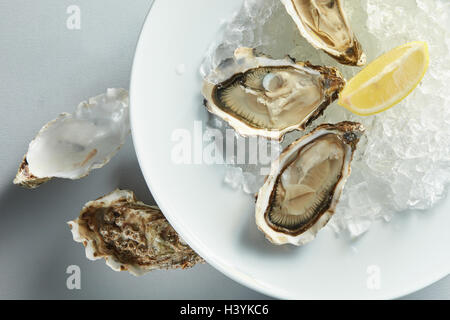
<point x="74" y="144"/>
<point x="130" y="235"/>
<point x="301" y="193"/>
<point x="260" y="96"/>
<point x="324" y="24"/>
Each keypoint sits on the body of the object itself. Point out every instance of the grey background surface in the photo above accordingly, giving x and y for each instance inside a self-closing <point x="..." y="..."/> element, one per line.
<point x="46" y="69"/>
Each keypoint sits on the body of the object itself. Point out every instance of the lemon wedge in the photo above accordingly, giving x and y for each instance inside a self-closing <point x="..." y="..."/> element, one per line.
<point x="387" y="80"/>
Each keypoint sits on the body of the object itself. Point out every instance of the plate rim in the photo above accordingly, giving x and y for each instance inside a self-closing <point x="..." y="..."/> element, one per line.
<point x="235" y="275"/>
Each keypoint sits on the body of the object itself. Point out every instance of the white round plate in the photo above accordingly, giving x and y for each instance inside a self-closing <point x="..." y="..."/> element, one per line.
<point x="391" y="260"/>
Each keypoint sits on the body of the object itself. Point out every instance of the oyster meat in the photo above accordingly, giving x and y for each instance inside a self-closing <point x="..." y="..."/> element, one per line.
<point x="323" y="23"/>
<point x="74" y="144"/>
<point x="301" y="193"/>
<point x="130" y="235"/>
<point x="260" y="96"/>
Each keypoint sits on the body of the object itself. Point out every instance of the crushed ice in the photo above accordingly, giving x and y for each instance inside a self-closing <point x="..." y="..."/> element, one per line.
<point x="404" y="162"/>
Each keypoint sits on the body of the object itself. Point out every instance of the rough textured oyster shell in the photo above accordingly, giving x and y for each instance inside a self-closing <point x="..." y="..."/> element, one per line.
<point x="260" y="96"/>
<point x="301" y="193"/>
<point x="324" y="24"/>
<point x="74" y="144"/>
<point x="26" y="179"/>
<point x="130" y="235"/>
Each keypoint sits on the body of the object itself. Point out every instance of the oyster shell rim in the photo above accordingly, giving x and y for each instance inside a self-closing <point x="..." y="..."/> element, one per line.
<point x="123" y="196"/>
<point x="335" y="54"/>
<point x="262" y="60"/>
<point x="266" y="192"/>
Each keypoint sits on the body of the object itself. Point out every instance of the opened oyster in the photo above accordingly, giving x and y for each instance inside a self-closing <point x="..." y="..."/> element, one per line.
<point x="323" y="23"/>
<point x="74" y="144"/>
<point x="305" y="183"/>
<point x="130" y="235"/>
<point x="260" y="96"/>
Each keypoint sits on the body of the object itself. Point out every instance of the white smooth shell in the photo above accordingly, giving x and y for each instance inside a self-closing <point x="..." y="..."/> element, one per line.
<point x="74" y="144"/>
